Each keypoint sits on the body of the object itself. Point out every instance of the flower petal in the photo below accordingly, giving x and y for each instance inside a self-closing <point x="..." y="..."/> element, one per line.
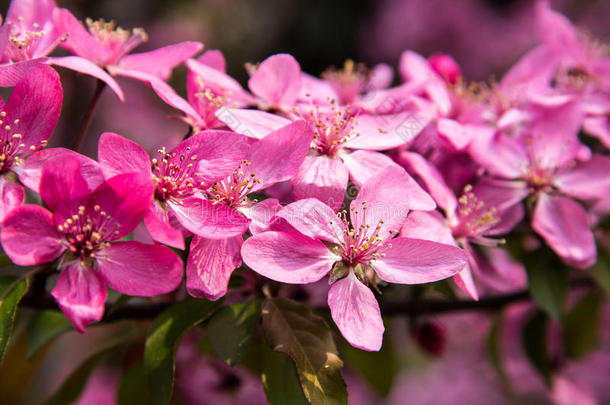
<point x="364" y="164"/>
<point x="586" y="180"/>
<point x="161" y="61"/>
<point x="62" y="185"/>
<point x="314" y="219"/>
<point x="87" y="67"/>
<point x="262" y="214"/>
<point x="11" y="197"/>
<point x="356" y="313"/>
<point x="251" y="123"/>
<point x="118" y="155"/>
<point x="417" y="261"/>
<point x="29" y="236"/>
<point x="323" y="178"/>
<point x="287" y="257"/>
<point x="33" y="107"/>
<point x="78" y="40"/>
<point x="277" y="80"/>
<point x="81" y="294"/>
<point x="563" y="224"/>
<point x="135" y="268"/>
<point x="204" y="218"/>
<point x="288" y="146"/>
<point x="210" y="265"/>
<point x="158" y="225"/>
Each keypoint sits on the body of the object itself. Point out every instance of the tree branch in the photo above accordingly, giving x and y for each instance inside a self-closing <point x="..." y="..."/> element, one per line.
<point x="149" y="310"/>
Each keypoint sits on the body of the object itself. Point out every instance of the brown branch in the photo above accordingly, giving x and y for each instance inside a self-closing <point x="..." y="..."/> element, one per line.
<point x="99" y="87"/>
<point x="149" y="310"/>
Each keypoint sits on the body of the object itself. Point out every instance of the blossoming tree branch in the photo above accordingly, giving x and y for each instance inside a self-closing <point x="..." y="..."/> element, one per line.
<point x="296" y="206"/>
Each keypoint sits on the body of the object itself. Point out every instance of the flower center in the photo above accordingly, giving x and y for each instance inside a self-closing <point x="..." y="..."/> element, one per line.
<point x="87" y="232"/>
<point x="474" y="217"/>
<point x="234" y="189"/>
<point x="117" y="40"/>
<point x="12" y="149"/>
<point x="23" y="41"/>
<point x="330" y="130"/>
<point x="173" y="175"/>
<point x="348" y="82"/>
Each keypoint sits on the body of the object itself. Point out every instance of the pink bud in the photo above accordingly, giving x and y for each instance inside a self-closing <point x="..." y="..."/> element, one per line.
<point x="445" y="66"/>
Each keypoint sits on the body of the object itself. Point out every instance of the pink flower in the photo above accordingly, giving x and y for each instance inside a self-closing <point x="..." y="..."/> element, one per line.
<point x="180" y="178"/>
<point x="83" y="227"/>
<point x="354" y="254"/>
<point x="108" y="46"/>
<point x="212" y="260"/>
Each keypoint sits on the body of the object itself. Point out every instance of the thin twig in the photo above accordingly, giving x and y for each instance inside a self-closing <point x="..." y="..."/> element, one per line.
<point x="99" y="87"/>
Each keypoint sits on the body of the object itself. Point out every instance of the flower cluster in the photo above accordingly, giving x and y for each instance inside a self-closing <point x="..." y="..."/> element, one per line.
<point x="356" y="175"/>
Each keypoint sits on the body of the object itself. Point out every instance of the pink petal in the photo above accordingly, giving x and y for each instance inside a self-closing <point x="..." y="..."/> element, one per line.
<point x="135" y="268"/>
<point x="465" y="282"/>
<point x="118" y="155"/>
<point x="87" y="67"/>
<point x="210" y="265"/>
<point x="251" y="123"/>
<point x="62" y="185"/>
<point x="125" y="198"/>
<point x="81" y="294"/>
<point x="29" y="236"/>
<point x="417" y="261"/>
<point x="314" y="219"/>
<point x="386" y="199"/>
<point x="217" y="154"/>
<point x="158" y="225"/>
<point x="161" y="61"/>
<point x="30" y="171"/>
<point x="12" y="73"/>
<point x="277" y="80"/>
<point x="498" y="270"/>
<point x="427" y="225"/>
<point x="262" y="214"/>
<point x="316" y="90"/>
<point x="461" y="135"/>
<point x="383" y="132"/>
<point x="214" y="59"/>
<point x="502" y="156"/>
<point x="204" y="218"/>
<point x="31" y="11"/>
<point x="431" y="178"/>
<point x="219" y="82"/>
<point x="599" y="127"/>
<point x="288" y="146"/>
<point x="323" y="178"/>
<point x="11" y="197"/>
<point x="563" y="224"/>
<point x="364" y="164"/>
<point x="356" y="313"/>
<point x="586" y="180"/>
<point x="78" y="40"/>
<point x="164" y="91"/>
<point x="287" y="257"/>
<point x="381" y="76"/>
<point x="414" y="67"/>
<point x="33" y="107"/>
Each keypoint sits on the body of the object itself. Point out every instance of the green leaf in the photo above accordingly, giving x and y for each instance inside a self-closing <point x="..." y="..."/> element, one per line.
<point x="231" y="329"/>
<point x="11" y="292"/>
<point x="494" y="350"/>
<point x="44" y="326"/>
<point x="549" y="287"/>
<point x="280" y="379"/>
<point x="72" y="387"/>
<point x="165" y="335"/>
<point x="133" y="389"/>
<point x="378" y="368"/>
<point x="294" y="329"/>
<point x="534" y="337"/>
<point x="581" y="326"/>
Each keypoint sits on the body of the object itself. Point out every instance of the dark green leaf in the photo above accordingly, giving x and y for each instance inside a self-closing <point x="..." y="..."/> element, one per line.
<point x="535" y="344"/>
<point x="494" y="350"/>
<point x="581" y="326"/>
<point x="44" y="326"/>
<point x="133" y="389"/>
<point x="548" y="286"/>
<point x="11" y="292"/>
<point x="280" y="379"/>
<point x="294" y="329"/>
<point x="165" y="335"/>
<point x="231" y="329"/>
<point x="378" y="368"/>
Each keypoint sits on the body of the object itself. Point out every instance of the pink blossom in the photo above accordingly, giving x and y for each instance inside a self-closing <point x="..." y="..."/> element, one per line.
<point x="109" y="47"/>
<point x="354" y="254"/>
<point x="212" y="260"/>
<point x="179" y="179"/>
<point x="83" y="227"/>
